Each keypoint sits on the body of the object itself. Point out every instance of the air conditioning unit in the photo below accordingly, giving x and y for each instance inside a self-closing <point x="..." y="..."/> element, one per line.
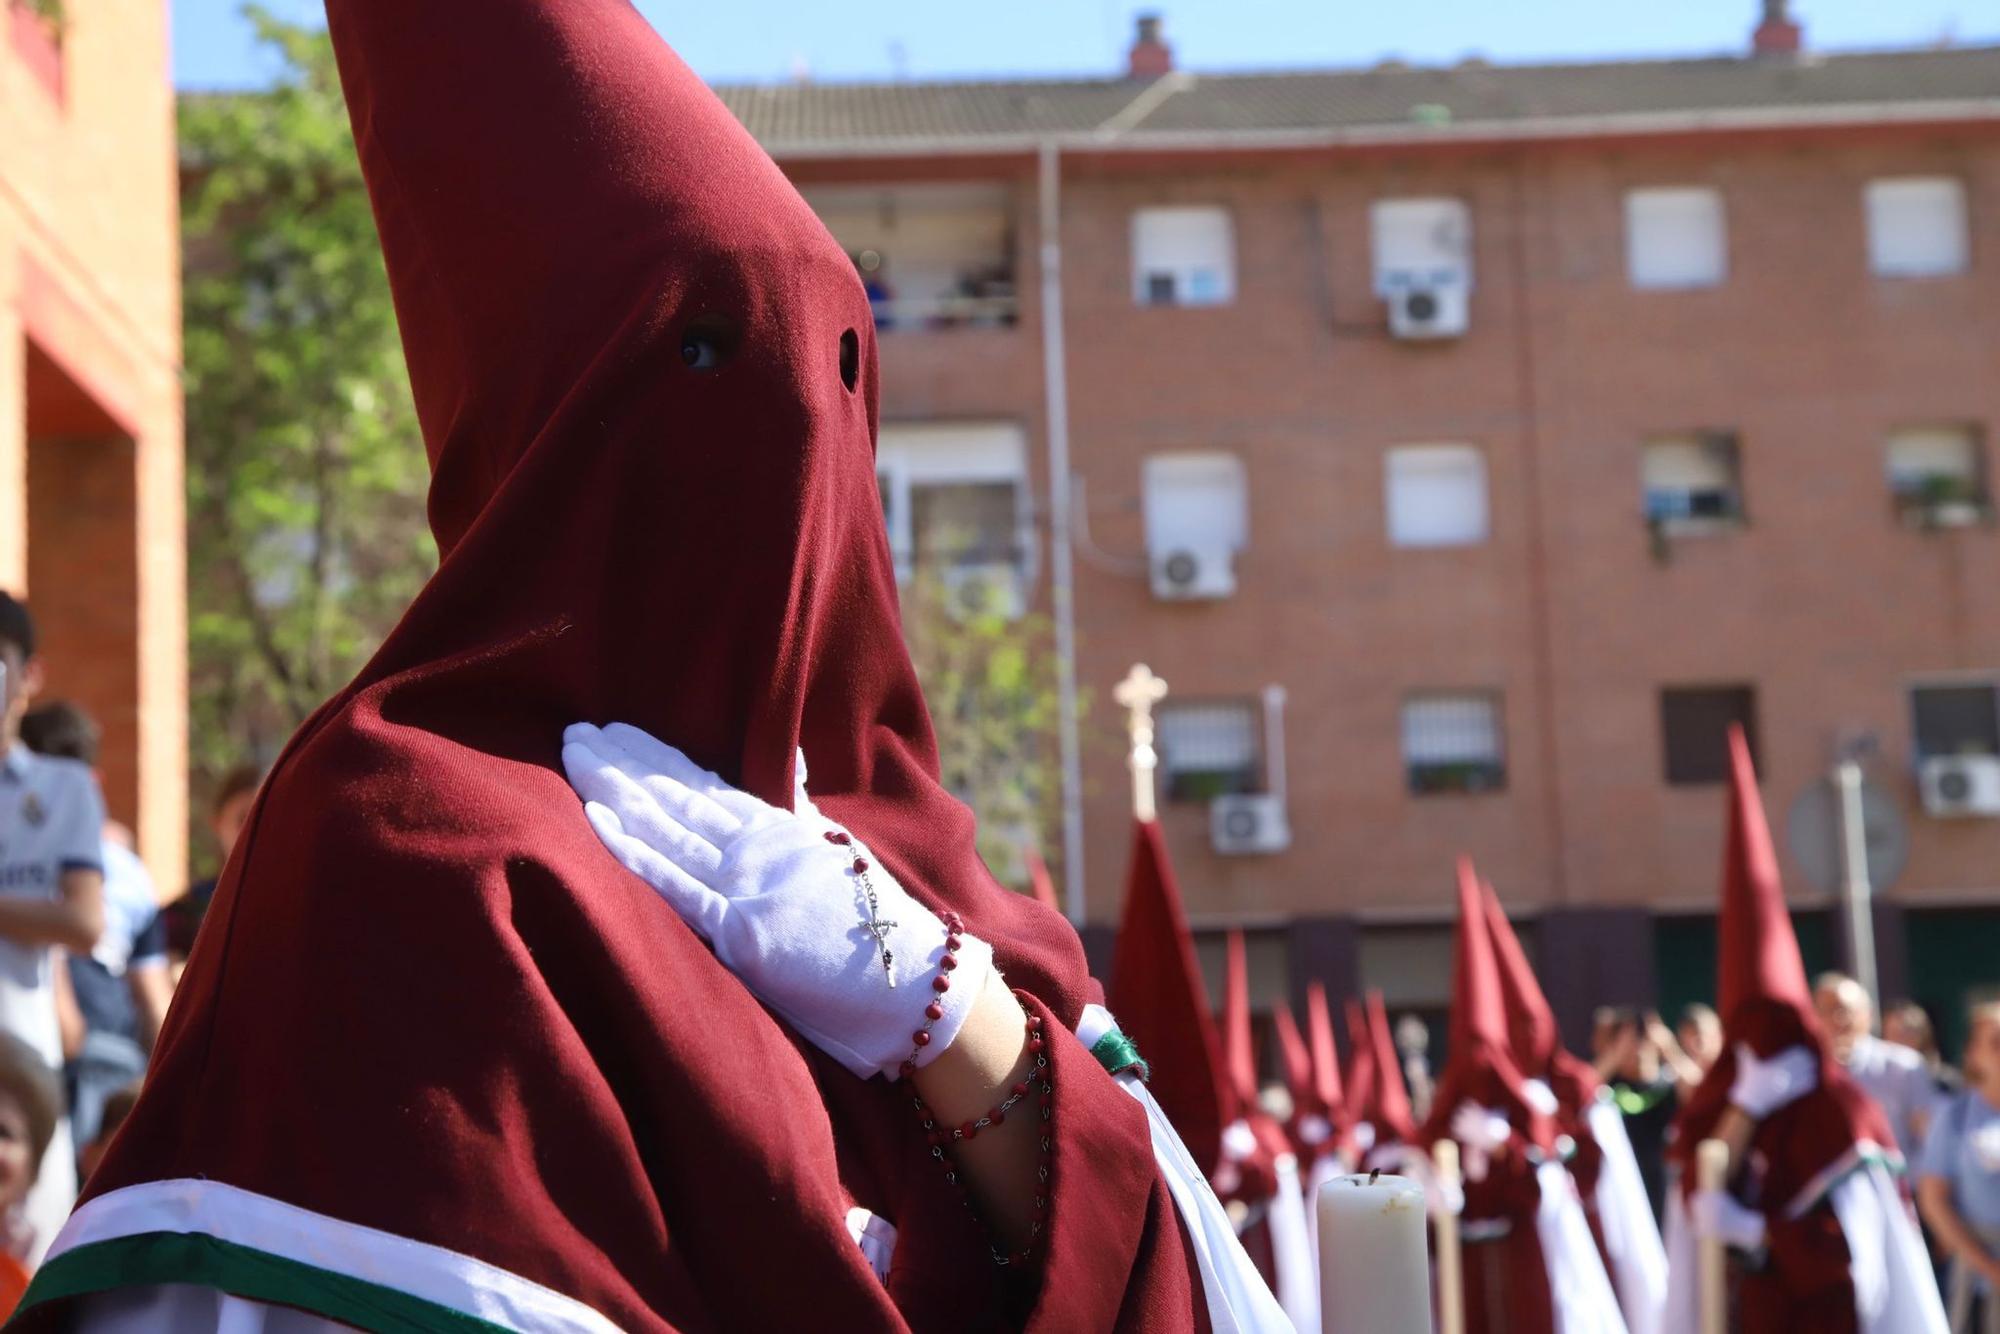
<point x="1248" y="825"/>
<point x="1958" y="786"/>
<point x="1425" y="310"/>
<point x="1188" y="573"/>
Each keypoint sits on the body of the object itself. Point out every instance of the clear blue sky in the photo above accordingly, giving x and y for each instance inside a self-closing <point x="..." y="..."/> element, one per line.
<point x="756" y="40"/>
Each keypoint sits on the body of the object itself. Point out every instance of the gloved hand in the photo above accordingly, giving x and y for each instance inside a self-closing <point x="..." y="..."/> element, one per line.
<point x="1716" y="1215"/>
<point x="1762" y="1087"/>
<point x="1481" y="1133"/>
<point x="1540" y="1096"/>
<point x="778" y="897"/>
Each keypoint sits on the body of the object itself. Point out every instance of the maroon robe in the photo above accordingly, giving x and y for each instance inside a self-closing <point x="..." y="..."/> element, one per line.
<point x="426" y="999"/>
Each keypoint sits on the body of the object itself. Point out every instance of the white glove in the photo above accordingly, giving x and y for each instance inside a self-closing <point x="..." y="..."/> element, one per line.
<point x="1715" y="1215"/>
<point x="1540" y="1096"/>
<point x="1762" y="1087"/>
<point x="1481" y="1133"/>
<point x="777" y="896"/>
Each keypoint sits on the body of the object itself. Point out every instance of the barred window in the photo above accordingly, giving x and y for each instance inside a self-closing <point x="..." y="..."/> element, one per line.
<point x="1208" y="749"/>
<point x="1451" y="743"/>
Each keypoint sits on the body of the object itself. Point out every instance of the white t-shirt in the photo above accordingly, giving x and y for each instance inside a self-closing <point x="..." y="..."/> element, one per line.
<point x="51" y="821"/>
<point x="1895" y="1076"/>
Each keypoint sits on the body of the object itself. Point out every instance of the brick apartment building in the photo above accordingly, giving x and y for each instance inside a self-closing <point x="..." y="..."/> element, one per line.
<point x="1467" y="446"/>
<point x="90" y="401"/>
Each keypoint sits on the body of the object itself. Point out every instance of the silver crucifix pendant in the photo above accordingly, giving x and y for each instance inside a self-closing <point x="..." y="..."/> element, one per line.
<point x="880" y="929"/>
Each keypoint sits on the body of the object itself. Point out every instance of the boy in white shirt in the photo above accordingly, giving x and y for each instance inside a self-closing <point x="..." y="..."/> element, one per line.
<point x="51" y="891"/>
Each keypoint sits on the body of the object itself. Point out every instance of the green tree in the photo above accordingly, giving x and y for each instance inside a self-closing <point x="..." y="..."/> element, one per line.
<point x="990" y="682"/>
<point x="306" y="472"/>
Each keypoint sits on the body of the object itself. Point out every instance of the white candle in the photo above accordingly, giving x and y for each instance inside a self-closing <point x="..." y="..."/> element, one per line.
<point x="1374" y="1264"/>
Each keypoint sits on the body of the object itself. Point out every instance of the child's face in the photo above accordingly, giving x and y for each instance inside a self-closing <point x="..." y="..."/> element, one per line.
<point x="22" y="678"/>
<point x="229" y="820"/>
<point x="16" y="1171"/>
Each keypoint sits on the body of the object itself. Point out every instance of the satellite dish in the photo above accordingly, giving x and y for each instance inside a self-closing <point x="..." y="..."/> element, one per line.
<point x="1812" y="831"/>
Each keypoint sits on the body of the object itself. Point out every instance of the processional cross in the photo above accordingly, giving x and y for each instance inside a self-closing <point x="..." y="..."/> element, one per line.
<point x="1137" y="694"/>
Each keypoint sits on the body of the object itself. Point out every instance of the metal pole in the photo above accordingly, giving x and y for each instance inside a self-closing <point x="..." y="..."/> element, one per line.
<point x="1062" y="564"/>
<point x="1855" y="890"/>
<point x="1274" y="742"/>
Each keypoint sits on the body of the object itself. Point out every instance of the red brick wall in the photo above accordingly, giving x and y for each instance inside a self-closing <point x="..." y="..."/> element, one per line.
<point x="1823" y="601"/>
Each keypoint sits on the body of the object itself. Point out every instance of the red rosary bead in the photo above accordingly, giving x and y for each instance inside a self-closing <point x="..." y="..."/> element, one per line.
<point x="922" y="1037"/>
<point x="836" y="836"/>
<point x="968" y="1130"/>
<point x="860" y="865"/>
<point x="1020" y="1090"/>
<point x="948" y="963"/>
<point x="940" y="983"/>
<point x="934" y="1012"/>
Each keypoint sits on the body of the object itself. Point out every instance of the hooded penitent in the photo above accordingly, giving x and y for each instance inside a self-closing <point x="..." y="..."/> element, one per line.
<point x="1601" y="1162"/>
<point x="1506" y="1273"/>
<point x="1766" y="1004"/>
<point x="1801" y="1151"/>
<point x="433" y="1034"/>
<point x="1479" y="1065"/>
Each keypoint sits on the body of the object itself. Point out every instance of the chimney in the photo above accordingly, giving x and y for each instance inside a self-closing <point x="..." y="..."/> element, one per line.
<point x="1150" y="57"/>
<point x="1778" y="34"/>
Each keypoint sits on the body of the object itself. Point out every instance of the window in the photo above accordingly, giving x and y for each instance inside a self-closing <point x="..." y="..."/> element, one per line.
<point x="1451" y="743"/>
<point x="1208" y="749"/>
<point x="1692" y="482"/>
<point x="1937" y="475"/>
<point x="1916" y="226"/>
<point x="1183" y="257"/>
<point x="1421" y="243"/>
<point x="1196" y="503"/>
<point x="1695" y="721"/>
<point x="1961" y="718"/>
<point x="1436" y="496"/>
<point x="955" y="498"/>
<point x="1675" y="238"/>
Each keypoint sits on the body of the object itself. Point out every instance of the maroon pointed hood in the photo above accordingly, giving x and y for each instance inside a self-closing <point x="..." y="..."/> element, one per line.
<point x="1363" y="1094"/>
<point x="1531" y="1023"/>
<point x="1389" y="1110"/>
<point x="1239" y="1052"/>
<point x="1160" y="1002"/>
<point x="1328" y="1095"/>
<point x="1479" y="1063"/>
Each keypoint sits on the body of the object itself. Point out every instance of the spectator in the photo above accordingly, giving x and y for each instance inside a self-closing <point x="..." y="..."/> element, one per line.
<point x="1908" y="1024"/>
<point x="30" y="1110"/>
<point x="1642" y="1065"/>
<point x="228" y="812"/>
<point x="117" y="1107"/>
<point x="1893" y="1075"/>
<point x="1413" y="1041"/>
<point x="51" y="892"/>
<point x="1958" y="1181"/>
<point x="121" y="987"/>
<point x="1700" y="1035"/>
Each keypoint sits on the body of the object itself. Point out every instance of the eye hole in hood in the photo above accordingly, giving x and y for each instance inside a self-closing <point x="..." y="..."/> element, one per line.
<point x="709" y="342"/>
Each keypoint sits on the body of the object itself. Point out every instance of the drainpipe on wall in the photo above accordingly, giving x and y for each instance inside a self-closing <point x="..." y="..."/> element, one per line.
<point x="1062" y="565"/>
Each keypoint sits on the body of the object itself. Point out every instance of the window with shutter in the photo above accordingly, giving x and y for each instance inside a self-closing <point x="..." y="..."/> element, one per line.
<point x="1675" y="238"/>
<point x="1184" y="256"/>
